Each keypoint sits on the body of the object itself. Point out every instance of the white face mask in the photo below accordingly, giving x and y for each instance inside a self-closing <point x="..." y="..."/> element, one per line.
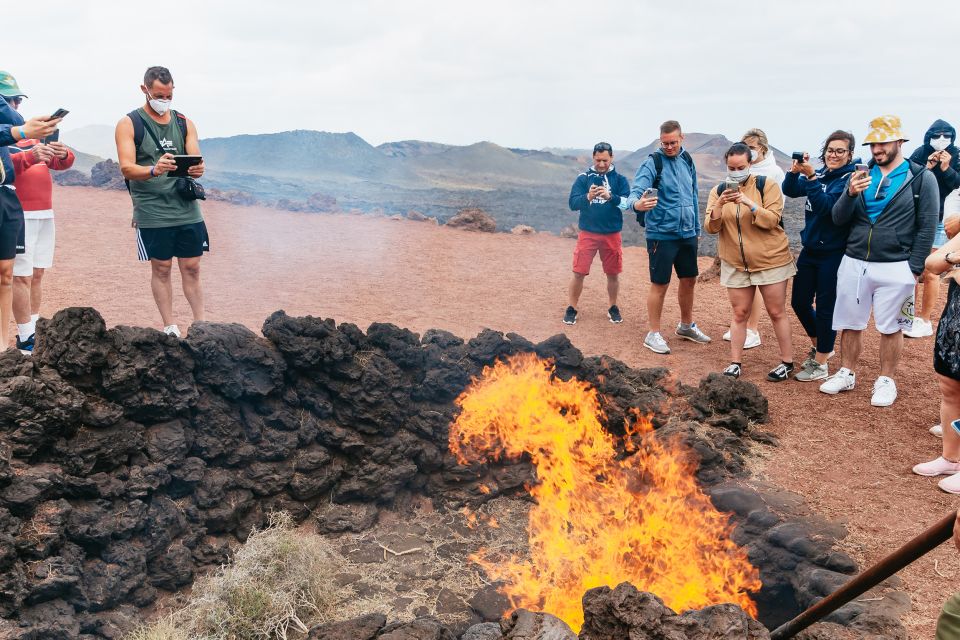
<point x="739" y="176"/>
<point x="940" y="143"/>
<point x="754" y="156"/>
<point x="160" y="106"/>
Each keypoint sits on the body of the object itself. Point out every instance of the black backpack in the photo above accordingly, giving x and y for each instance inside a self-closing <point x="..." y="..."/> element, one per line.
<point x="761" y="185"/>
<point x="658" y="165"/>
<point x="139" y="129"/>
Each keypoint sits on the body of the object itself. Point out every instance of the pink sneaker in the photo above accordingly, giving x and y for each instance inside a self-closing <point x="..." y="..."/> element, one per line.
<point x="939" y="467"/>
<point x="951" y="484"/>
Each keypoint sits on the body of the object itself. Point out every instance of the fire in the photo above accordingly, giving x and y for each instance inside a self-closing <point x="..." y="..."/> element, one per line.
<point x="598" y="520"/>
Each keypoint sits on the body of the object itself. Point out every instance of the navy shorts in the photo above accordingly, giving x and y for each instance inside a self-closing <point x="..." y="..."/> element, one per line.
<point x="11" y="225"/>
<point x="668" y="255"/>
<point x="165" y="243"/>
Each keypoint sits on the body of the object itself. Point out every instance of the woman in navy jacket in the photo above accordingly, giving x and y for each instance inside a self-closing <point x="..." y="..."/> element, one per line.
<point x="823" y="246"/>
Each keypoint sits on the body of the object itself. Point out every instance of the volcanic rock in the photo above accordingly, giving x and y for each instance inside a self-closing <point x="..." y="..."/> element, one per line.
<point x="569" y="231"/>
<point x="527" y="625"/>
<point x="106" y="175"/>
<point x="523" y="230"/>
<point x="363" y="628"/>
<point x="625" y="612"/>
<point x="71" y="178"/>
<point x="473" y="220"/>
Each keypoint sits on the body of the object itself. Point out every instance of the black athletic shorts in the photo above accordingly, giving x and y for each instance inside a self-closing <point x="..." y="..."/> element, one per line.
<point x="11" y="225"/>
<point x="164" y="243"/>
<point x="667" y="255"/>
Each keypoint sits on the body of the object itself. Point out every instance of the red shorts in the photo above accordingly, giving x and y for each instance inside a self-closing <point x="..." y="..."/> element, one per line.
<point x="610" y="247"/>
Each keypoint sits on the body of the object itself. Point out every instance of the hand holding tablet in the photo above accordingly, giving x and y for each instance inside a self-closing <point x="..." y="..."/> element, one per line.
<point x="184" y="162"/>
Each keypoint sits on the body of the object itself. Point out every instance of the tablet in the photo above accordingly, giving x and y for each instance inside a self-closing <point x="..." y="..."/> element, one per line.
<point x="184" y="163"/>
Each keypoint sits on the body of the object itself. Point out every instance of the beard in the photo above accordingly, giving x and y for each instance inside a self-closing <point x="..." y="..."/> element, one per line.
<point x="887" y="156"/>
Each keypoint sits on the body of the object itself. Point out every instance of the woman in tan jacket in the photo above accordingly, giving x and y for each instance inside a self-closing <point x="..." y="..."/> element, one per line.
<point x="754" y="254"/>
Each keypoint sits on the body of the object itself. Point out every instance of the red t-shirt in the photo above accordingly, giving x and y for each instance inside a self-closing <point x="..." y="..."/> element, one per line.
<point x="33" y="183"/>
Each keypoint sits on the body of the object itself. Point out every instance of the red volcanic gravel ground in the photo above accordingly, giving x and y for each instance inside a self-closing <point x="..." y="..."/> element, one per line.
<point x="849" y="460"/>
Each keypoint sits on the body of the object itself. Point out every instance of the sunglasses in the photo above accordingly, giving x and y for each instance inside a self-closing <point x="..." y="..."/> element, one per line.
<point x="939" y="135"/>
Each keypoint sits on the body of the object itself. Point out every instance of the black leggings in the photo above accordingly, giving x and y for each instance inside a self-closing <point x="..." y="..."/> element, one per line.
<point x="817" y="279"/>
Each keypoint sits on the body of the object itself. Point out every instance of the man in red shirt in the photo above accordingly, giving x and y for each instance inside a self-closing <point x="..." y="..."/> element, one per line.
<point x="33" y="160"/>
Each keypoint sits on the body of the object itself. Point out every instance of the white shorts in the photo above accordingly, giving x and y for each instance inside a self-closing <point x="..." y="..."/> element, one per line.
<point x="40" y="238"/>
<point x="886" y="287"/>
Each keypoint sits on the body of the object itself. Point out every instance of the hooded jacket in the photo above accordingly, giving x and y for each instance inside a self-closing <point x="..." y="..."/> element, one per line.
<point x="676" y="216"/>
<point x="947" y="180"/>
<point x="769" y="168"/>
<point x="9" y="118"/>
<point x="819" y="232"/>
<point x="903" y="230"/>
<point x="599" y="216"/>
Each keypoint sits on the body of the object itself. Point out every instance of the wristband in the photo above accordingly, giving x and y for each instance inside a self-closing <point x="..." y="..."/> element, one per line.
<point x="23" y="134"/>
<point x="152" y="174"/>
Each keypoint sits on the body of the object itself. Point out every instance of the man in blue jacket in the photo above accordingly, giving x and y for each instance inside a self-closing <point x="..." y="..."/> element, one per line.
<point x="12" y="128"/>
<point x="892" y="211"/>
<point x="597" y="194"/>
<point x="672" y="219"/>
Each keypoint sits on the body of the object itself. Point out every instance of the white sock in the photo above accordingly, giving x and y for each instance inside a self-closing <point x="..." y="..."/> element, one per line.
<point x="34" y="317"/>
<point x="25" y="330"/>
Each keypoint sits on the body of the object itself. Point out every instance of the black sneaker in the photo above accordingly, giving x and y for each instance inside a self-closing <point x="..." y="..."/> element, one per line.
<point x="26" y="346"/>
<point x="614" y="314"/>
<point x="780" y="372"/>
<point x="733" y="370"/>
<point x="570" y="317"/>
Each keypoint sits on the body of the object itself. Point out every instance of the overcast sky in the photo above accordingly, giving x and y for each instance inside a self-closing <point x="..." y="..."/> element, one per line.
<point x="518" y="73"/>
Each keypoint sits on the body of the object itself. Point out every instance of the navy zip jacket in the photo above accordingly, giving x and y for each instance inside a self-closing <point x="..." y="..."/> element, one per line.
<point x="947" y="180"/>
<point x="9" y="117"/>
<point x="599" y="216"/>
<point x="820" y="233"/>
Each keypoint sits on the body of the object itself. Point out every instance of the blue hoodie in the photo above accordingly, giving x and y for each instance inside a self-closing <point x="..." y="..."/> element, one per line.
<point x="676" y="216"/>
<point x="599" y="216"/>
<point x="947" y="180"/>
<point x="9" y="117"/>
<point x="819" y="233"/>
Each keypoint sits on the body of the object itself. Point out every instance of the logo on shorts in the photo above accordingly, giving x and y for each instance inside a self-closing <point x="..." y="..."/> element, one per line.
<point x="906" y="313"/>
<point x="205" y="244"/>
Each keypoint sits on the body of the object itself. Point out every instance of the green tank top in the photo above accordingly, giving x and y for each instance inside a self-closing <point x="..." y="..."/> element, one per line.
<point x="155" y="201"/>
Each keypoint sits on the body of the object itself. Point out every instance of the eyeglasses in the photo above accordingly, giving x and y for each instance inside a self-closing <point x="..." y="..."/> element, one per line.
<point x="670" y="144"/>
<point x="601" y="147"/>
<point x="882" y="189"/>
<point x="837" y="152"/>
<point x="14" y="101"/>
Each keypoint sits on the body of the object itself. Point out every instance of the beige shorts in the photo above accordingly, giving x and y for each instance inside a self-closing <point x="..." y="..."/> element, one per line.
<point x="734" y="278"/>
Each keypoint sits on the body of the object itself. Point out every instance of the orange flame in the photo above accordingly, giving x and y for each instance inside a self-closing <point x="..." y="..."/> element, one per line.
<point x="598" y="520"/>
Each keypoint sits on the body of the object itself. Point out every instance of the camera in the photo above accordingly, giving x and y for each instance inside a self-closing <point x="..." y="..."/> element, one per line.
<point x="798" y="156"/>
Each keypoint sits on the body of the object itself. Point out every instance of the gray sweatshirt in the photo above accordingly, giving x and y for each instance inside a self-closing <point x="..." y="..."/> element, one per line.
<point x="903" y="230"/>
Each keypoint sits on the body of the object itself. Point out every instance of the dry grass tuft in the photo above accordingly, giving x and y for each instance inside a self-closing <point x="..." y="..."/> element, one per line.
<point x="277" y="586"/>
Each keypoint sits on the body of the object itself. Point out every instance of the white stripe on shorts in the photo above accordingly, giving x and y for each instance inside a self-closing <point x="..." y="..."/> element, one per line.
<point x="141" y="248"/>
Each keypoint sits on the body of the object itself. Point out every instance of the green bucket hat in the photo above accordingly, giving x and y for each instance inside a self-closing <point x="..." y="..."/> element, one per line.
<point x="9" y="87"/>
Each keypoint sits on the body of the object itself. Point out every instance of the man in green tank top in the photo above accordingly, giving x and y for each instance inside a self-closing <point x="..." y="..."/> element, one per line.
<point x="166" y="224"/>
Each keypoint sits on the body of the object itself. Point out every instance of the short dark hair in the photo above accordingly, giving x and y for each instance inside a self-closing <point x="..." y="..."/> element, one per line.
<point x="670" y="126"/>
<point x="737" y="149"/>
<point x="157" y="73"/>
<point x="839" y="134"/>
<point x="600" y="147"/>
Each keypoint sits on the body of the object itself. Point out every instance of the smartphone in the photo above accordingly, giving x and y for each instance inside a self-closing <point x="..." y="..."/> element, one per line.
<point x="733" y="185"/>
<point x="59" y="113"/>
<point x="650" y="193"/>
<point x="53" y="137"/>
<point x="863" y="168"/>
<point x="798" y="156"/>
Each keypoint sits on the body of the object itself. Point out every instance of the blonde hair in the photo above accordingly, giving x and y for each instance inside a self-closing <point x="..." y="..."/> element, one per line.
<point x="761" y="139"/>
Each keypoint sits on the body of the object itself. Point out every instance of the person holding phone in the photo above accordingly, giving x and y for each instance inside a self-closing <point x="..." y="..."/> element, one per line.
<point x="754" y="255"/>
<point x="596" y="194"/>
<point x="167" y="225"/>
<point x="33" y="160"/>
<point x="940" y="155"/>
<point x="892" y="212"/>
<point x="762" y="163"/>
<point x="823" y="246"/>
<point x="673" y="232"/>
<point x="946" y="362"/>
<point x="12" y="128"/>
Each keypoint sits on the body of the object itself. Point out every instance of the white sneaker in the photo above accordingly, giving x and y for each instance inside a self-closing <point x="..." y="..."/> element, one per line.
<point x="842" y="380"/>
<point x="951" y="484"/>
<point x="921" y="329"/>
<point x="939" y="467"/>
<point x="937" y="430"/>
<point x="172" y="330"/>
<point x="884" y="392"/>
<point x="656" y="343"/>
<point x="753" y="338"/>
